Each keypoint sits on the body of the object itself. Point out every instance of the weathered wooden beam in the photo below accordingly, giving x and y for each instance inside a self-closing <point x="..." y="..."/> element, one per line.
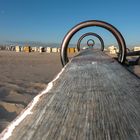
<point x="94" y="97"/>
<point x="134" y="53"/>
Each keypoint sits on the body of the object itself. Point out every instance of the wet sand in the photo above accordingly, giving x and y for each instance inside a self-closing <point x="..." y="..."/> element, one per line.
<point x="23" y="76"/>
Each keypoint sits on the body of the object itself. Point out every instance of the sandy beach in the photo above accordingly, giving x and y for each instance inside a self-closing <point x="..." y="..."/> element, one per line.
<point x="23" y="76"/>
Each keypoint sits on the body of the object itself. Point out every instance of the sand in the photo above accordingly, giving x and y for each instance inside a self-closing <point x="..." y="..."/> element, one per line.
<point x="23" y="76"/>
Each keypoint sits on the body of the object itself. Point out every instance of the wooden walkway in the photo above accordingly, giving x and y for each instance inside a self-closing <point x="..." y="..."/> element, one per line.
<point x="95" y="98"/>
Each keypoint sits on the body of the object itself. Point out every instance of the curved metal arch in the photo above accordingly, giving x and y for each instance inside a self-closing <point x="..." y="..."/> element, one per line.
<point x="89" y="44"/>
<point x="88" y="34"/>
<point x="109" y="27"/>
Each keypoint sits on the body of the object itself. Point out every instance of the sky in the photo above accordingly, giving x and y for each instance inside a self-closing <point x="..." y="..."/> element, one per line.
<point x="49" y="20"/>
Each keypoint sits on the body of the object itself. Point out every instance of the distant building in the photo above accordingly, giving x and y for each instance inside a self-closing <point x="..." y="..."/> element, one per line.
<point x="22" y="49"/>
<point x="34" y="49"/>
<point x="49" y="50"/>
<point x="113" y="50"/>
<point x="17" y="48"/>
<point x="76" y="50"/>
<point x="136" y="48"/>
<point x="58" y="49"/>
<point x="71" y="50"/>
<point x="54" y="50"/>
<point x="41" y="49"/>
<point x="27" y="49"/>
<point x="12" y="47"/>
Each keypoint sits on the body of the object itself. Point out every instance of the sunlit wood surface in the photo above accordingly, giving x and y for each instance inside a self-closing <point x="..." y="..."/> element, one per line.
<point x="95" y="98"/>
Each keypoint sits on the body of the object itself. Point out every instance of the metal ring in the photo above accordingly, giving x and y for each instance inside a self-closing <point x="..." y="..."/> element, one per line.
<point x="88" y="34"/>
<point x="109" y="27"/>
<point x="90" y="44"/>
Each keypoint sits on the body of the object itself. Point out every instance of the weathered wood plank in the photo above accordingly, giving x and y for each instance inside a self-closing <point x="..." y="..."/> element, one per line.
<point x="134" y="53"/>
<point x="95" y="98"/>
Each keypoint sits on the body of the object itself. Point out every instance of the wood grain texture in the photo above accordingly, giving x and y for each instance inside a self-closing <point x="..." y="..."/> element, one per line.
<point x="94" y="99"/>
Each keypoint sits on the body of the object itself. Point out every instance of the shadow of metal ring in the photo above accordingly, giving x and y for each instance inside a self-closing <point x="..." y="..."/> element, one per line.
<point x="88" y="34"/>
<point x="109" y="27"/>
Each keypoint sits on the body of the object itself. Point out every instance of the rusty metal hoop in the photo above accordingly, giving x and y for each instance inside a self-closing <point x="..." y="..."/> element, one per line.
<point x="109" y="27"/>
<point x="88" y="34"/>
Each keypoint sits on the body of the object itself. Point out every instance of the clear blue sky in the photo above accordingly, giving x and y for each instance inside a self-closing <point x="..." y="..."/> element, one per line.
<point x="50" y="20"/>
